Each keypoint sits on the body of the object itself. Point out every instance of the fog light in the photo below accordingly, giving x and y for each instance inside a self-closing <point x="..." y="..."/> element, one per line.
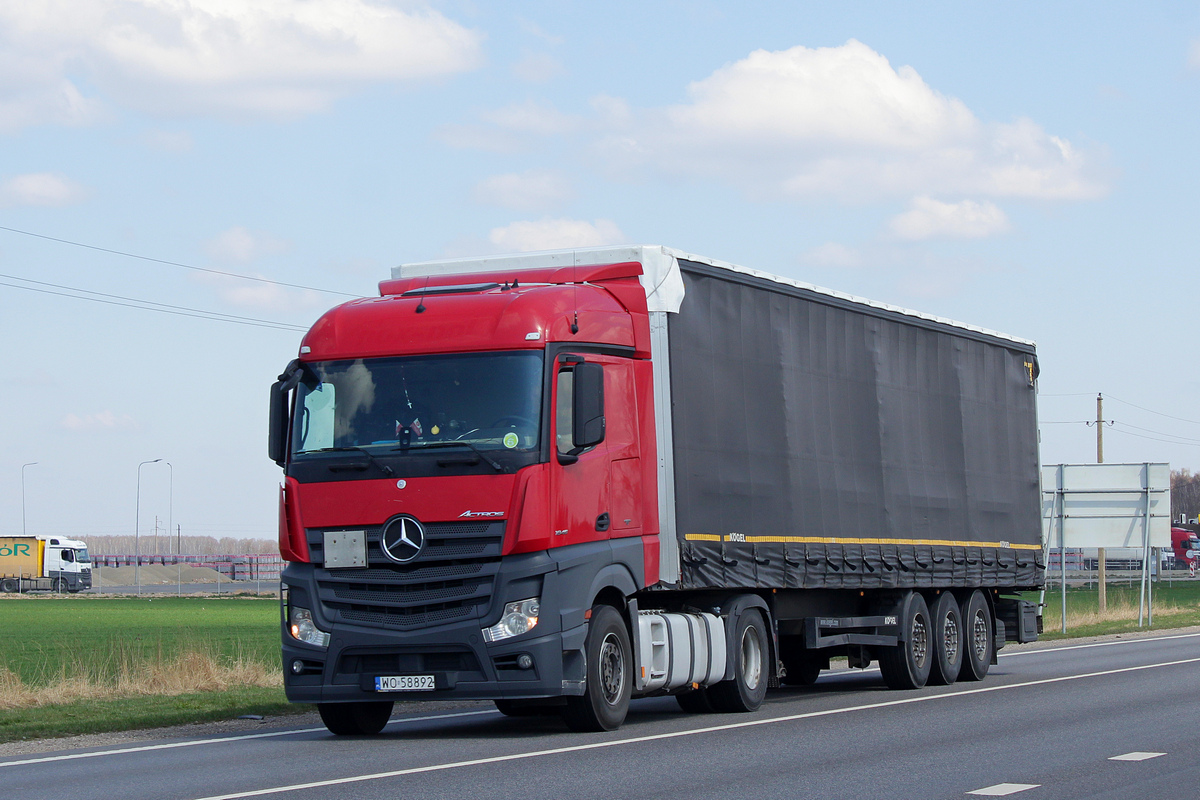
<point x="525" y="661"/>
<point x="297" y="667"/>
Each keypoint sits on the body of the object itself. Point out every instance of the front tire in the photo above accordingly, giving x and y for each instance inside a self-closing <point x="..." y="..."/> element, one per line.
<point x="978" y="638"/>
<point x="751" y="651"/>
<point x="605" y="700"/>
<point x="907" y="664"/>
<point x="355" y="719"/>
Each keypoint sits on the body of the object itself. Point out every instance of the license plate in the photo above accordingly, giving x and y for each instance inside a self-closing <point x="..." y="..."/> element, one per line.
<point x="404" y="683"/>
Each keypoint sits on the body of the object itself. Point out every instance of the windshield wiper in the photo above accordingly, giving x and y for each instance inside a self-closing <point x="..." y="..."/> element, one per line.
<point x="386" y="469"/>
<point x="458" y="443"/>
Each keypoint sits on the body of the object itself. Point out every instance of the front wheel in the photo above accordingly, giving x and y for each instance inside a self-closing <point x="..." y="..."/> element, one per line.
<point x="605" y="700"/>
<point x="355" y="719"/>
<point x="748" y="687"/>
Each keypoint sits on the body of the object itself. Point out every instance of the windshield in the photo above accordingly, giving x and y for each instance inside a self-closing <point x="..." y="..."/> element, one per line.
<point x="81" y="555"/>
<point x="487" y="400"/>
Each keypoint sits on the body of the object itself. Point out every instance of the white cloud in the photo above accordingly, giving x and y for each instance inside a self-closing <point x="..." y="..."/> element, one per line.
<point x="240" y="246"/>
<point x="538" y="68"/>
<point x="169" y="141"/>
<point x="102" y="420"/>
<point x="927" y="219"/>
<point x="265" y="58"/>
<point x="553" y="234"/>
<point x="842" y="122"/>
<point x="510" y="128"/>
<point x="262" y="296"/>
<point x="832" y="254"/>
<point x="40" y="189"/>
<point x="535" y="190"/>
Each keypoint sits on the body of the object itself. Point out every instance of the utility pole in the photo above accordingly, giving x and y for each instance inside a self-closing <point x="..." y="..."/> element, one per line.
<point x="1102" y="577"/>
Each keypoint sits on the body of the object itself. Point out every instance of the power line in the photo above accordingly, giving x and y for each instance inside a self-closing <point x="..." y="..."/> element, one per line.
<point x="1152" y="411"/>
<point x="175" y="263"/>
<point x="148" y="305"/>
<point x="1160" y="433"/>
<point x="1154" y="438"/>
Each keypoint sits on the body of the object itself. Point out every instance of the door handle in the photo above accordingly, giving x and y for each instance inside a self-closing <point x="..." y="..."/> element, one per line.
<point x="602" y="522"/>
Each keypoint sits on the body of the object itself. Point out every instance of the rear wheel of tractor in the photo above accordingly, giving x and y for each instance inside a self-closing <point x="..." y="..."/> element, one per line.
<point x="947" y="641"/>
<point x="748" y="687"/>
<point x="695" y="702"/>
<point x="355" y="719"/>
<point x="907" y="664"/>
<point x="978" y="640"/>
<point x="605" y="699"/>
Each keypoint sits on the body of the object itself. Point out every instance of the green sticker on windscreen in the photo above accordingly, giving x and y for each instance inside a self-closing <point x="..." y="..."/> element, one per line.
<point x="510" y="440"/>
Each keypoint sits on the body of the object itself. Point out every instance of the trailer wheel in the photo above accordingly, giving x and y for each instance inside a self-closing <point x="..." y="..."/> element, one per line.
<point x="977" y="638"/>
<point x="947" y="641"/>
<point x="906" y="665"/>
<point x="351" y="719"/>
<point x="696" y="701"/>
<point x="605" y="700"/>
<point x="8" y="585"/>
<point x="747" y="689"/>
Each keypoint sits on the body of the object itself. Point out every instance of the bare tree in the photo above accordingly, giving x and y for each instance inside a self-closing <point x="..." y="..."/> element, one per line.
<point x="1185" y="494"/>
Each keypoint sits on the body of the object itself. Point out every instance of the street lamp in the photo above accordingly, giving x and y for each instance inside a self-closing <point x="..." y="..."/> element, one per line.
<point x="23" y="466"/>
<point x="137" y="531"/>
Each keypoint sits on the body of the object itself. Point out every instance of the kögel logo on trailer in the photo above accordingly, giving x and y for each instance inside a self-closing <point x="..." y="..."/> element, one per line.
<point x="402" y="540"/>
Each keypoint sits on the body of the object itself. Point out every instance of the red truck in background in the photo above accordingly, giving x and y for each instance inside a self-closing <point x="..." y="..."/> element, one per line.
<point x="1185" y="545"/>
<point x="561" y="480"/>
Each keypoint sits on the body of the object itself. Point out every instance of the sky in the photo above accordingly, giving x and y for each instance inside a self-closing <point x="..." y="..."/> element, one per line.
<point x="212" y="175"/>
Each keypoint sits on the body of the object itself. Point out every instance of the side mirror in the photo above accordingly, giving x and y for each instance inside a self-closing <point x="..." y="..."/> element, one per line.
<point x="588" y="399"/>
<point x="277" y="433"/>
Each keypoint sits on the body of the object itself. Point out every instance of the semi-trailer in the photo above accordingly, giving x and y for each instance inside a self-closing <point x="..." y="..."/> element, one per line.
<point x="560" y="480"/>
<point x="44" y="563"/>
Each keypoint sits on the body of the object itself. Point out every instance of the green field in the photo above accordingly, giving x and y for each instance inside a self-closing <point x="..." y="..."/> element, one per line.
<point x="1176" y="605"/>
<point x="90" y="664"/>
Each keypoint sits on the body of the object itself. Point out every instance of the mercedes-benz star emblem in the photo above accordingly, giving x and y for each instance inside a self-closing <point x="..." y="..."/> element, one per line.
<point x="402" y="540"/>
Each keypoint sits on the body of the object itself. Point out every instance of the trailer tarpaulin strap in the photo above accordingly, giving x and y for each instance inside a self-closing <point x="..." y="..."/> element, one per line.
<point x="826" y="444"/>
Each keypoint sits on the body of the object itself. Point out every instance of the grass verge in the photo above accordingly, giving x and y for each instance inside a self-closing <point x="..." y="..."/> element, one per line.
<point x="124" y="714"/>
<point x="89" y="665"/>
<point x="1175" y="606"/>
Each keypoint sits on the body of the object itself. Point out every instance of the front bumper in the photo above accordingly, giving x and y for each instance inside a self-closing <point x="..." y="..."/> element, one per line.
<point x="463" y="665"/>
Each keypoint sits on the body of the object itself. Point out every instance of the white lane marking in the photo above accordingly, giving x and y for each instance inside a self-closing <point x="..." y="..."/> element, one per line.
<point x="1002" y="789"/>
<point x="374" y="776"/>
<point x="220" y="740"/>
<point x="1136" y="756"/>
<point x="298" y="731"/>
<point x="1097" y="644"/>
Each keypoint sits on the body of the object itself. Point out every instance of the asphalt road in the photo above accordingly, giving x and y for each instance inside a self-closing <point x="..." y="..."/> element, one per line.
<point x="1052" y="719"/>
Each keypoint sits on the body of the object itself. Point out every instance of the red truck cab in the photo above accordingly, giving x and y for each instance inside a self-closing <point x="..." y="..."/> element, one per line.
<point x="460" y="453"/>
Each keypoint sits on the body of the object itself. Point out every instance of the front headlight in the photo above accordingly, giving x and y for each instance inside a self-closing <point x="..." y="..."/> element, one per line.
<point x="304" y="629"/>
<point x="519" y="617"/>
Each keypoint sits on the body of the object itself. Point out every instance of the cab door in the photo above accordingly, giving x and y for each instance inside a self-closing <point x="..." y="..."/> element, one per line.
<point x="579" y="475"/>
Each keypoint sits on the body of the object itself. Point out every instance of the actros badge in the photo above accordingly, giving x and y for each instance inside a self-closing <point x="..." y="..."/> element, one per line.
<point x="402" y="540"/>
